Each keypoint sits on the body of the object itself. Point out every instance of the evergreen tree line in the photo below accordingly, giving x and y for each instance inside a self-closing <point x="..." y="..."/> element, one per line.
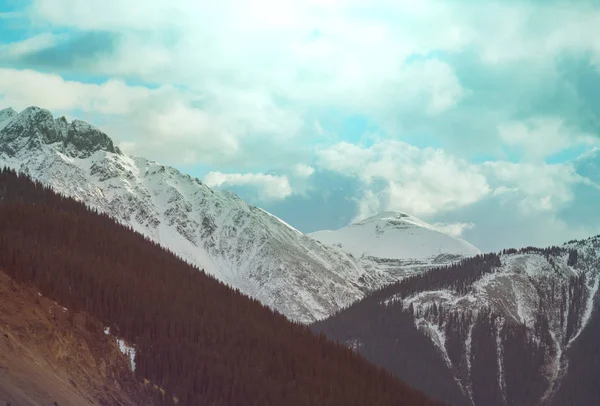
<point x="388" y="337"/>
<point x="506" y="362"/>
<point x="195" y="337"/>
<point x="547" y="251"/>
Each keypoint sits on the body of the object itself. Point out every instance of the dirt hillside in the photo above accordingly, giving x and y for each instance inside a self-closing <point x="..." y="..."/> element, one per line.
<point x="48" y="354"/>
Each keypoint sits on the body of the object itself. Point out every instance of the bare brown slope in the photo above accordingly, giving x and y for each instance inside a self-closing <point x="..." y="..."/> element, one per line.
<point x="48" y="354"/>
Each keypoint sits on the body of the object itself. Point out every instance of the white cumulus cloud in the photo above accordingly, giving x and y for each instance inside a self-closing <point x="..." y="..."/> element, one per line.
<point x="302" y="170"/>
<point x="454" y="229"/>
<point x="270" y="187"/>
<point x="402" y="177"/>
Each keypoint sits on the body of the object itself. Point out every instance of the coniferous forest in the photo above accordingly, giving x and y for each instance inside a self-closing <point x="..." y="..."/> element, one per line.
<point x="198" y="339"/>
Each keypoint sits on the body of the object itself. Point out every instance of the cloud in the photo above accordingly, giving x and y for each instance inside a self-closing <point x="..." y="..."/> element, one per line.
<point x="541" y="137"/>
<point x="303" y="171"/>
<point x="539" y="187"/>
<point x="454" y="229"/>
<point x="31" y="45"/>
<point x="482" y="202"/>
<point x="536" y="31"/>
<point x="21" y="88"/>
<point x="83" y="49"/>
<point x="459" y="73"/>
<point x="353" y="63"/>
<point x="534" y="204"/>
<point x="501" y="224"/>
<point x="402" y="177"/>
<point x="588" y="165"/>
<point x="165" y="123"/>
<point x="269" y="187"/>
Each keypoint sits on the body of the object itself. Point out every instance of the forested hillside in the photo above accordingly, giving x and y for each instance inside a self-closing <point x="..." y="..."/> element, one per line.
<point x="202" y="342"/>
<point x="515" y="328"/>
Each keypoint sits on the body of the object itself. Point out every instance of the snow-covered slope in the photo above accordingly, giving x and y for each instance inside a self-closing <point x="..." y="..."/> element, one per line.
<point x="395" y="235"/>
<point x="5" y="116"/>
<point x="397" y="242"/>
<point x="530" y="288"/>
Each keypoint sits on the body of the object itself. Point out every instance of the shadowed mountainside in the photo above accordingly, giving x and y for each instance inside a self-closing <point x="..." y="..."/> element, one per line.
<point x="516" y="328"/>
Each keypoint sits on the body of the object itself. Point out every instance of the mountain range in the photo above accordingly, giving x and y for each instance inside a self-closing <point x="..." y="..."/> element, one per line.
<point x="518" y="327"/>
<point x="240" y="244"/>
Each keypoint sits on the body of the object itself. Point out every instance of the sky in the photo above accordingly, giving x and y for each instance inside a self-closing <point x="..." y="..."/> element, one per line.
<point x="478" y="117"/>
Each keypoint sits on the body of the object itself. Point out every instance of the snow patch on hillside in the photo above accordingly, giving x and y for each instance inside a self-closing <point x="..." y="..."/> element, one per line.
<point x="128" y="351"/>
<point x="125" y="349"/>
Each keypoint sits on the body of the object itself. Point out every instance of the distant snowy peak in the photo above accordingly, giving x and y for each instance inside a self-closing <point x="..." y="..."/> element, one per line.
<point x="395" y="235"/>
<point x="395" y="219"/>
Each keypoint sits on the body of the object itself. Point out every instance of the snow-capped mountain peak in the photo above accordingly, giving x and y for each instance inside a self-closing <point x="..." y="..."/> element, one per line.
<point x="34" y="127"/>
<point x="394" y="217"/>
<point x="396" y="235"/>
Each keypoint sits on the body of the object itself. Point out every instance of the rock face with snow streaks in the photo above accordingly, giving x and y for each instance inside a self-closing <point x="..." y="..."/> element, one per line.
<point x="507" y="328"/>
